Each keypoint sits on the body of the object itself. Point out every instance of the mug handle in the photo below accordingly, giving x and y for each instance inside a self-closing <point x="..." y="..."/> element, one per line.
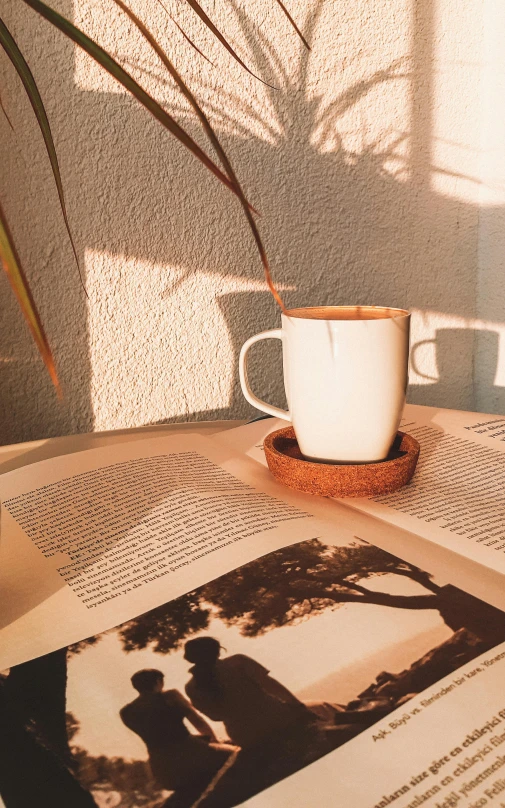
<point x="276" y="333"/>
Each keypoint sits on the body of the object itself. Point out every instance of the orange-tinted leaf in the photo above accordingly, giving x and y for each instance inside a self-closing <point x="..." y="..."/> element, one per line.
<point x="210" y="25"/>
<point x="17" y="278"/>
<point x="293" y="23"/>
<point x="186" y="37"/>
<point x="9" y="45"/>
<point x="5" y="113"/>
<point x="108" y="63"/>
<point x="213" y="139"/>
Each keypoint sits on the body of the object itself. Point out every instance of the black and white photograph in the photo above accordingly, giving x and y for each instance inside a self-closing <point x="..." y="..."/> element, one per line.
<point x="212" y="697"/>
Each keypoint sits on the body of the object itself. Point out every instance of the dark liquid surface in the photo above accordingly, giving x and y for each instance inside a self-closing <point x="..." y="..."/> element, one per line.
<point x="346" y="313"/>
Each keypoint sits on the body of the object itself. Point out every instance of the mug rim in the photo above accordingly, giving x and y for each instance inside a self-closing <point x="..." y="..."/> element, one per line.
<point x="314" y="313"/>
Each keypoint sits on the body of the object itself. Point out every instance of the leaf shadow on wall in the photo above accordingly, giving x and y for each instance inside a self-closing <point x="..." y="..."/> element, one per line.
<point x="339" y="226"/>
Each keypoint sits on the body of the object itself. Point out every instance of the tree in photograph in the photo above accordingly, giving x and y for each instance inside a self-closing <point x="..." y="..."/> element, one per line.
<point x="299" y="582"/>
<point x="34" y="765"/>
<point x="167" y="626"/>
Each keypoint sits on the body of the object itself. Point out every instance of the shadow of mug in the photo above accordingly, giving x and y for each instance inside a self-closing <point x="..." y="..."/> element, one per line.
<point x="457" y="352"/>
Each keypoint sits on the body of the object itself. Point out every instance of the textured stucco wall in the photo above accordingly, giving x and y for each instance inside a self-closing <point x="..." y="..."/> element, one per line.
<point x="364" y="163"/>
<point x="490" y="342"/>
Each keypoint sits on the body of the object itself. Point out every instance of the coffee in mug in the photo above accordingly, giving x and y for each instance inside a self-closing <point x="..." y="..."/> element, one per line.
<point x="345" y="375"/>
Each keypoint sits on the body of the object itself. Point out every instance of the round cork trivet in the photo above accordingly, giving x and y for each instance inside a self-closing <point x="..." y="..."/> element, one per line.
<point x="288" y="465"/>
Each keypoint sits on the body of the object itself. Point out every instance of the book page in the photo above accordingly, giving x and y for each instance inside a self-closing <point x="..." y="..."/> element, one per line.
<point x="99" y="534"/>
<point x="457" y="496"/>
<point x="180" y="631"/>
<point x="105" y="533"/>
<point x="325" y="672"/>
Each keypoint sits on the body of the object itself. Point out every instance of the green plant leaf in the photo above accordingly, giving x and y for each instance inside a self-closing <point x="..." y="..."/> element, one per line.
<point x="13" y="52"/>
<point x="210" y="25"/>
<point x="108" y="63"/>
<point x="293" y="23"/>
<point x="17" y="279"/>
<point x="212" y="138"/>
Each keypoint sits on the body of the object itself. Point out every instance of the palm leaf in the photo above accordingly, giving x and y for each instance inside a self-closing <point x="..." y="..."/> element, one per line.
<point x="208" y="22"/>
<point x="10" y="47"/>
<point x="108" y="63"/>
<point x="213" y="139"/>
<point x="186" y="37"/>
<point x="5" y="113"/>
<point x="293" y="23"/>
<point x="17" y="279"/>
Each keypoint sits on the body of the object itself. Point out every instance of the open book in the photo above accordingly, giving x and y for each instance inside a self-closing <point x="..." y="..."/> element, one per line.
<point x="178" y="630"/>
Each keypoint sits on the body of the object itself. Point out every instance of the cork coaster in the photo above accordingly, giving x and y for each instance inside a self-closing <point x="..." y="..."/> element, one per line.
<point x="288" y="465"/>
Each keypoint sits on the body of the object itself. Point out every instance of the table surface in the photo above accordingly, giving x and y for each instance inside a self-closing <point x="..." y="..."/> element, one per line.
<point x="17" y="455"/>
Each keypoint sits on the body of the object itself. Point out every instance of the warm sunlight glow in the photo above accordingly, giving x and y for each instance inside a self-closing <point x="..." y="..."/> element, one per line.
<point x="350" y="96"/>
<point x="163" y="331"/>
<point x="456" y="100"/>
<point x="374" y="165"/>
<point x="400" y="95"/>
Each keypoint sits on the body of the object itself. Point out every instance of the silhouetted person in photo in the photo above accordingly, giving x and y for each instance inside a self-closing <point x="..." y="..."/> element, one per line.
<point x="240" y="692"/>
<point x="179" y="761"/>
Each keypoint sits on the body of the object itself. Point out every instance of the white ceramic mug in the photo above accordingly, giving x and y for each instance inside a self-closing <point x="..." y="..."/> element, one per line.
<point x="345" y="375"/>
